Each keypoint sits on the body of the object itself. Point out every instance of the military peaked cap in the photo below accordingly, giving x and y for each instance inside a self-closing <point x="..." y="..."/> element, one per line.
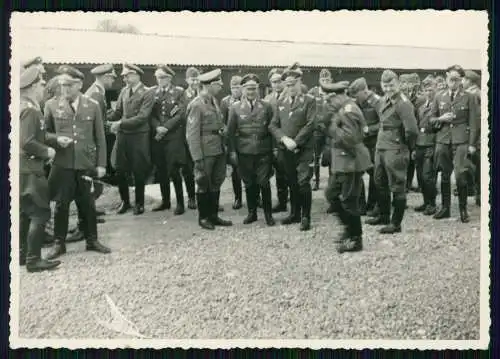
<point x="210" y="77"/>
<point x="388" y="76"/>
<point x="473" y="76"/>
<point x="358" y="85"/>
<point x="459" y="69"/>
<point x="325" y="74"/>
<point x="236" y="80"/>
<point x="130" y="68"/>
<point x="275" y="74"/>
<point x="163" y="71"/>
<point x="30" y="76"/>
<point x="336" y="87"/>
<point x="34" y="62"/>
<point x="70" y="72"/>
<point x="103" y="70"/>
<point x="192" y="72"/>
<point x="250" y="80"/>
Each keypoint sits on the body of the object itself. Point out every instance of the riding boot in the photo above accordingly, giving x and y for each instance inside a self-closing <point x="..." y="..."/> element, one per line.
<point x="214" y="203"/>
<point x="139" y="197"/>
<point x="251" y="195"/>
<point x="124" y="195"/>
<point x="237" y="190"/>
<point x="305" y="205"/>
<point x="34" y="261"/>
<point x="462" y="203"/>
<point x="397" y="217"/>
<point x="384" y="206"/>
<point x="179" y="195"/>
<point x="267" y="205"/>
<point x="165" y="197"/>
<point x="294" y="216"/>
<point x="444" y="212"/>
<point x="204" y="211"/>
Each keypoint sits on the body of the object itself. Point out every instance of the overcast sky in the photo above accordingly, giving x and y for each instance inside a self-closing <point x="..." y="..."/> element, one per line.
<point x="444" y="29"/>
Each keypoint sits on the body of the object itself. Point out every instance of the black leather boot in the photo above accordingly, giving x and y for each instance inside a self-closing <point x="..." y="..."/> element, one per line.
<point x="462" y="204"/>
<point x="397" y="217"/>
<point x="24" y="226"/>
<point x="94" y="245"/>
<point x="267" y="205"/>
<point x="384" y="205"/>
<point x="204" y="212"/>
<point x="305" y="205"/>
<point x="179" y="196"/>
<point x="352" y="242"/>
<point x="215" y="219"/>
<point x="124" y="195"/>
<point x="251" y="194"/>
<point x="57" y="250"/>
<point x="237" y="189"/>
<point x="294" y="216"/>
<point x="444" y="212"/>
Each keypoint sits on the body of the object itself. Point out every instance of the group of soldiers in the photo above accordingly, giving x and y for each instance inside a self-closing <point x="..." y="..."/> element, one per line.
<point x="185" y="133"/>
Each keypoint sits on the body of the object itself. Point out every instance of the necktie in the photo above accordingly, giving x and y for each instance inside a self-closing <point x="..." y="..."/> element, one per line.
<point x="251" y="105"/>
<point x="453" y="96"/>
<point x="130" y="92"/>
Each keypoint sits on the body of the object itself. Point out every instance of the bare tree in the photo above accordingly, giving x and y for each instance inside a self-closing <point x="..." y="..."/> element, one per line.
<point x="108" y="25"/>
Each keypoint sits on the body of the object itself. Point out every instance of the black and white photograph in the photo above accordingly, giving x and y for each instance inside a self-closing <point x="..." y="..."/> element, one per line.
<point x="298" y="179"/>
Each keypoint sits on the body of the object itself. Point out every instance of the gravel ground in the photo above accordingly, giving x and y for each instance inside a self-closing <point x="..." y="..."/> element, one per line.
<point x="174" y="280"/>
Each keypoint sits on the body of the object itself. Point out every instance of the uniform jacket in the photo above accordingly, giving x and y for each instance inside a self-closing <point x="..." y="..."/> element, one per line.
<point x="188" y="96"/>
<point x="98" y="93"/>
<point x="248" y="130"/>
<point x="33" y="147"/>
<point x="320" y="98"/>
<point x="225" y="105"/>
<point x="476" y="92"/>
<point x="398" y="125"/>
<point x="85" y="127"/>
<point x="272" y="99"/>
<point x="295" y="120"/>
<point x="426" y="135"/>
<point x="349" y="154"/>
<point x="463" y="128"/>
<point x="204" y="128"/>
<point x="372" y="121"/>
<point x="134" y="111"/>
<point x="168" y="111"/>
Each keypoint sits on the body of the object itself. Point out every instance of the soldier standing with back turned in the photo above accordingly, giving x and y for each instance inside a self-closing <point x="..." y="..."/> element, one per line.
<point x="396" y="139"/>
<point x="205" y="137"/>
<point x="351" y="159"/>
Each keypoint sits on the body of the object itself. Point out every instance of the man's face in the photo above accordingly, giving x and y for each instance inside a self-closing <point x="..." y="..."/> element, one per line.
<point x="429" y="91"/>
<point x="192" y="82"/>
<point x="39" y="90"/>
<point x="236" y="91"/>
<point x="466" y="83"/>
<point x="251" y="92"/>
<point x="107" y="81"/>
<point x="132" y="79"/>
<point x="215" y="88"/>
<point x="404" y="87"/>
<point x="391" y="88"/>
<point x="70" y="88"/>
<point x="293" y="87"/>
<point x="277" y="85"/>
<point x="453" y="79"/>
<point x="325" y="81"/>
<point x="163" y="81"/>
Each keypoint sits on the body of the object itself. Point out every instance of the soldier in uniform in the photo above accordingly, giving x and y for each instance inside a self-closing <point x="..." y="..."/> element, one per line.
<point x="33" y="187"/>
<point x="132" y="151"/>
<point x="281" y="185"/>
<point x="205" y="137"/>
<point x="424" y="153"/>
<point x="225" y="105"/>
<point x="471" y="83"/>
<point x="104" y="78"/>
<point x="250" y="145"/>
<point x="325" y="77"/>
<point x="356" y="90"/>
<point x="456" y="114"/>
<point x="351" y="158"/>
<point x="396" y="139"/>
<point x="187" y="170"/>
<point x="76" y="120"/>
<point x="293" y="126"/>
<point x="441" y="84"/>
<point x="169" y="129"/>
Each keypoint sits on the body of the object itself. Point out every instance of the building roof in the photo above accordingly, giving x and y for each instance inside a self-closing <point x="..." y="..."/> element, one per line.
<point x="77" y="46"/>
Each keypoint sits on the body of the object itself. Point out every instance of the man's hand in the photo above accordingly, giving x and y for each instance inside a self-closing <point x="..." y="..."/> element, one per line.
<point x="472" y="150"/>
<point x="289" y="143"/>
<point x="447" y="117"/>
<point x="51" y="153"/>
<point x="101" y="172"/>
<point x="160" y="132"/>
<point x="64" y="141"/>
<point x="233" y="158"/>
<point x="115" y="126"/>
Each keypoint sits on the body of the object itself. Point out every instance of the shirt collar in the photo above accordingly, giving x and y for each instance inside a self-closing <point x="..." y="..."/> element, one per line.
<point x="76" y="102"/>
<point x="100" y="86"/>
<point x="134" y="89"/>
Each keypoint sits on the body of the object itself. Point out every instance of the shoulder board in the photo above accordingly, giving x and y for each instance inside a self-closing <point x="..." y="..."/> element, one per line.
<point x="309" y="95"/>
<point x="236" y="102"/>
<point x="404" y="98"/>
<point x="26" y="104"/>
<point x="91" y="99"/>
<point x="348" y="108"/>
<point x="179" y="88"/>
